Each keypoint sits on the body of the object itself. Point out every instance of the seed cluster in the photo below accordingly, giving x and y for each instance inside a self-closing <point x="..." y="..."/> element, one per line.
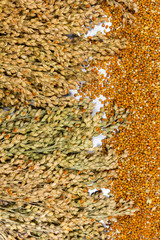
<point x="47" y="160"/>
<point x="43" y="46"/>
<point x="46" y="167"/>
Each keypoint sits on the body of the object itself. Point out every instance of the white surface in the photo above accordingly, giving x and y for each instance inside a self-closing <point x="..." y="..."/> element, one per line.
<point x="106" y="226"/>
<point x="98" y="103"/>
<point x="105" y="192"/>
<point x="99" y="28"/>
<point x="97" y="141"/>
<point x="92" y="191"/>
<point x="101" y="71"/>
